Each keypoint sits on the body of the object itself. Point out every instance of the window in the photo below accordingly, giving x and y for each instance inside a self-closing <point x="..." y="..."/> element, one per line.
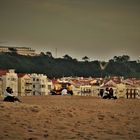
<point x="43" y="86"/>
<point x="49" y="86"/>
<point x="33" y="86"/>
<point x="13" y="79"/>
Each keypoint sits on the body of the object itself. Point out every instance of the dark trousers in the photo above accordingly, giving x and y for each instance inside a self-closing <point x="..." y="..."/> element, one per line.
<point x="11" y="99"/>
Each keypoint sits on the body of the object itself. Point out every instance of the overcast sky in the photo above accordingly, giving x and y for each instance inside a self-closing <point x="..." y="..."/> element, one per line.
<point x="99" y="29"/>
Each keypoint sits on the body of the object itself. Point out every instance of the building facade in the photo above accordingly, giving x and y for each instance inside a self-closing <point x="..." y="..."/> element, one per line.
<point x="24" y="85"/>
<point x="39" y="84"/>
<point x="10" y="79"/>
<point x="18" y="50"/>
<point x="1" y="86"/>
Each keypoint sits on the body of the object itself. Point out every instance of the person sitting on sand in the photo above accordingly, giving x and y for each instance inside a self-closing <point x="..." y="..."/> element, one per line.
<point x="64" y="92"/>
<point x="8" y="97"/>
<point x="101" y="92"/>
<point x="106" y="94"/>
<point x="111" y="94"/>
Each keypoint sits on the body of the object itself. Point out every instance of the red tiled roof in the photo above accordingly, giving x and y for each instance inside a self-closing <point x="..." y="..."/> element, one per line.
<point x="21" y="75"/>
<point x="55" y="82"/>
<point x="3" y="72"/>
<point x="110" y="83"/>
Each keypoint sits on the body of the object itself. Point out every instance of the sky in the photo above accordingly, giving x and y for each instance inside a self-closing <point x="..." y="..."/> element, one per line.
<point x="99" y="29"/>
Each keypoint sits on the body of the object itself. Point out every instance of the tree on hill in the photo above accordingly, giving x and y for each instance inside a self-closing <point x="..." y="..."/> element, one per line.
<point x="85" y="58"/>
<point x="49" y="54"/>
<point x="42" y="54"/>
<point x="67" y="57"/>
<point x="123" y="58"/>
<point x="68" y="66"/>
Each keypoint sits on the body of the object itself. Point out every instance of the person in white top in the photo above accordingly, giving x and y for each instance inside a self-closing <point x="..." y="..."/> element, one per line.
<point x="8" y="97"/>
<point x="64" y="92"/>
<point x="106" y="93"/>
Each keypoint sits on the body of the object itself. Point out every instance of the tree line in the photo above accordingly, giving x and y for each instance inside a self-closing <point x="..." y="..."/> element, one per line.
<point x="45" y="63"/>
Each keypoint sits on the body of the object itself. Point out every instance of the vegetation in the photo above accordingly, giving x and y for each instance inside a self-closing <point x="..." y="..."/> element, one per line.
<point x="67" y="66"/>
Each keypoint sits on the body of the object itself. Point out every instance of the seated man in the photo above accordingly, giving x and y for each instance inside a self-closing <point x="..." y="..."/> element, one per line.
<point x="106" y="94"/>
<point x="8" y="97"/>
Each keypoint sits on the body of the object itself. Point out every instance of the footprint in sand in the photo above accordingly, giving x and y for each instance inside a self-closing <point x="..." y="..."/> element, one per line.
<point x="101" y="117"/>
<point x="32" y="138"/>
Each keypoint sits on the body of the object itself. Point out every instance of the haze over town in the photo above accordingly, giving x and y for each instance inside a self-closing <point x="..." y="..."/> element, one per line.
<point x="96" y="28"/>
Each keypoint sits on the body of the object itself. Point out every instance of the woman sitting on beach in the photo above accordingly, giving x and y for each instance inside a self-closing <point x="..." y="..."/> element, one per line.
<point x="8" y="97"/>
<point x="111" y="94"/>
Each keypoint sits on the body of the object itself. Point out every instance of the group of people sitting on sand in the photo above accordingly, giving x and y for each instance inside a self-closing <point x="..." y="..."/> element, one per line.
<point x="9" y="97"/>
<point x="105" y="94"/>
<point x="108" y="93"/>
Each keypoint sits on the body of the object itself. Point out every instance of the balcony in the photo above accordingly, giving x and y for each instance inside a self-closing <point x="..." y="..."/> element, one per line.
<point x="28" y="90"/>
<point x="28" y="83"/>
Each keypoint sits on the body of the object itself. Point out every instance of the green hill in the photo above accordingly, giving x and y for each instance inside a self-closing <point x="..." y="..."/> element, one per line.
<point x="67" y="66"/>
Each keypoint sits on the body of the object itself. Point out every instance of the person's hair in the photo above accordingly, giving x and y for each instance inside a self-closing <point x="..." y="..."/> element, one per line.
<point x="11" y="90"/>
<point x="107" y="89"/>
<point x="8" y="89"/>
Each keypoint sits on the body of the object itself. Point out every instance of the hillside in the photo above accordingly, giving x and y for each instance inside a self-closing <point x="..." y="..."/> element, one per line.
<point x="67" y="66"/>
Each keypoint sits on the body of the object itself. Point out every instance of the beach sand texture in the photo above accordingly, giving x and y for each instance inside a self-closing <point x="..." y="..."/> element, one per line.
<point x="70" y="117"/>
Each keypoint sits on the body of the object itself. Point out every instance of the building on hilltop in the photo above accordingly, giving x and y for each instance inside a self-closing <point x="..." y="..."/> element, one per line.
<point x="19" y="50"/>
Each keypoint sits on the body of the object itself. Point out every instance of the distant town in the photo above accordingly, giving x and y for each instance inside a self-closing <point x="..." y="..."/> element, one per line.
<point x="40" y="85"/>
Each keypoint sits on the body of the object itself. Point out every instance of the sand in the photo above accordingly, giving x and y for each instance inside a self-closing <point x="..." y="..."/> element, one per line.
<point x="66" y="117"/>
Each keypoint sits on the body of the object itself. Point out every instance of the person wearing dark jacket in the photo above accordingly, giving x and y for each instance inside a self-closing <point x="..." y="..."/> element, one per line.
<point x="8" y="97"/>
<point x="111" y="94"/>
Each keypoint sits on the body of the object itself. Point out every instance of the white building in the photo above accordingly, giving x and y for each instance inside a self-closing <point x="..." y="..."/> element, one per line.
<point x="1" y="86"/>
<point x="18" y="50"/>
<point x="24" y="85"/>
<point x="50" y="85"/>
<point x="10" y="79"/>
<point x="39" y="84"/>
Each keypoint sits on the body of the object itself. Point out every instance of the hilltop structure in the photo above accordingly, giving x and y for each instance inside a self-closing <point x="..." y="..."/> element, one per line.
<point x="19" y="50"/>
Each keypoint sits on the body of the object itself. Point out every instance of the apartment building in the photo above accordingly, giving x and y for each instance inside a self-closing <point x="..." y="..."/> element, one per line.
<point x="24" y="85"/>
<point x="39" y="84"/>
<point x="9" y="79"/>
<point x="1" y="86"/>
<point x="50" y="85"/>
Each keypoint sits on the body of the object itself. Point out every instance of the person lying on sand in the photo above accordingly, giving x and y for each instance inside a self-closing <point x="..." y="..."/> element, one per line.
<point x="8" y="97"/>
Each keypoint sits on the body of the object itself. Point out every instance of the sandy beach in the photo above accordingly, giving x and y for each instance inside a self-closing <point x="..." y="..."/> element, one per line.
<point x="67" y="117"/>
